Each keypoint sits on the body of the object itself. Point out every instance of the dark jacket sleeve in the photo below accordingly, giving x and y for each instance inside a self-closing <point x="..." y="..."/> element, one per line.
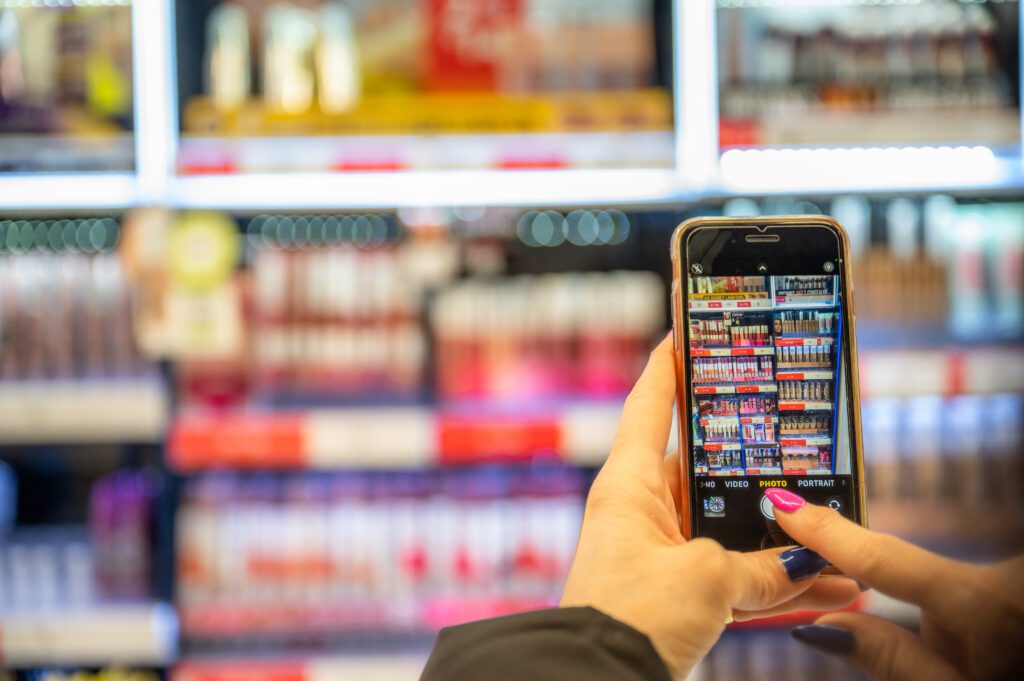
<point x="567" y="644"/>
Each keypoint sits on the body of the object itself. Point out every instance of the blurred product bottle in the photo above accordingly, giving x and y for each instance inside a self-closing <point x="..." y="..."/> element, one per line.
<point x="337" y="60"/>
<point x="228" y="78"/>
<point x="336" y="322"/>
<point x="583" y="335"/>
<point x="65" y="311"/>
<point x="289" y="38"/>
<point x="121" y="533"/>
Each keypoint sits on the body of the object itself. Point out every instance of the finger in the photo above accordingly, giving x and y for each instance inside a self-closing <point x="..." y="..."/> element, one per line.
<point x="647" y="413"/>
<point x="876" y="646"/>
<point x="760" y="580"/>
<point x="673" y="478"/>
<point x="886" y="563"/>
<point x="826" y="593"/>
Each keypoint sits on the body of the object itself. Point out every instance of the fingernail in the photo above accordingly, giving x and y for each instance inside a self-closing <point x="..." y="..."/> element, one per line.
<point x="801" y="563"/>
<point x="825" y="638"/>
<point x="784" y="500"/>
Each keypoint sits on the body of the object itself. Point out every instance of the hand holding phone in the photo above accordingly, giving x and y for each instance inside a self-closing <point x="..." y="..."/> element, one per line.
<point x="633" y="563"/>
<point x="767" y="387"/>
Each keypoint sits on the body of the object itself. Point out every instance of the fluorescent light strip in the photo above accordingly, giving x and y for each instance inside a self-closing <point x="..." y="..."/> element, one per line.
<point x="806" y="170"/>
<point x="259" y="191"/>
<point x="71" y="191"/>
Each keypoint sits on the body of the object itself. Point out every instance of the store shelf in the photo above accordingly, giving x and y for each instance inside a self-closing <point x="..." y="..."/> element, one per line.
<point x="979" y="370"/>
<point x="71" y="191"/>
<point x="730" y="352"/>
<point x="697" y="305"/>
<point x="56" y="412"/>
<point x="722" y="446"/>
<point x="580" y="432"/>
<point x="143" y="634"/>
<point x="804" y="440"/>
<point x="803" y="375"/>
<point x="759" y="419"/>
<point x="804" y="405"/>
<point x="280" y="191"/>
<point x="804" y="342"/>
<point x="316" y="153"/>
<point x="735" y="389"/>
<point x="390" y="667"/>
<point x="398" y="437"/>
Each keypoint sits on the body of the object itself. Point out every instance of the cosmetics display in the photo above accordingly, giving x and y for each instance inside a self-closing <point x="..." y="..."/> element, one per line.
<point x="66" y="86"/>
<point x="792" y="356"/>
<point x="325" y="555"/>
<point x="336" y="322"/>
<point x="731" y="369"/>
<point x="374" y="83"/>
<point x="557" y="335"/>
<point x="65" y="309"/>
<point x="856" y="73"/>
<point x="737" y="329"/>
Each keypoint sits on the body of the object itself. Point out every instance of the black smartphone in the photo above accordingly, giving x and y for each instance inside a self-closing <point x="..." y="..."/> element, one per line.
<point x="768" y="396"/>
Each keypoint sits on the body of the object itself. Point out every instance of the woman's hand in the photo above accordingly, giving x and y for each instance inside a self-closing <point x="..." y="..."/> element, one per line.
<point x="972" y="623"/>
<point x="633" y="563"/>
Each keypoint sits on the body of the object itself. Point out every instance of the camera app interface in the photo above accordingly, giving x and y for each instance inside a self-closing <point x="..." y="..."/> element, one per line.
<point x="768" y="401"/>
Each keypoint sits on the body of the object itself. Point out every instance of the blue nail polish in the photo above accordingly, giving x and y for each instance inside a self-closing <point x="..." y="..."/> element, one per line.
<point x="801" y="563"/>
<point x="825" y="638"/>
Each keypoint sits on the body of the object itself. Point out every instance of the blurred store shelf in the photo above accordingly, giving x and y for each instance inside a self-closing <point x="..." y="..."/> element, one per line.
<point x="947" y="372"/>
<point x="353" y="153"/>
<point x="395" y="667"/>
<point x="56" y="412"/>
<point x="141" y="634"/>
<point x="389" y="438"/>
<point x="581" y="432"/>
<point x="280" y="191"/>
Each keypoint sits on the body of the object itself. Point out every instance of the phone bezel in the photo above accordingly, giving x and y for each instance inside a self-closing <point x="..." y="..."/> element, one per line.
<point x="680" y="341"/>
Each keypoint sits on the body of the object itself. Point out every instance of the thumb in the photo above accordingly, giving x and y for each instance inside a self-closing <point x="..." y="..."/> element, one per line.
<point x="761" y="580"/>
<point x="877" y="647"/>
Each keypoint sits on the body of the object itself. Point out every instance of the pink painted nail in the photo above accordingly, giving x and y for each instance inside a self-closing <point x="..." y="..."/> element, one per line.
<point x="784" y="500"/>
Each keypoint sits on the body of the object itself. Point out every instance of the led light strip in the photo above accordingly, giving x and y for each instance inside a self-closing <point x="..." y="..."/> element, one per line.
<point x="808" y="170"/>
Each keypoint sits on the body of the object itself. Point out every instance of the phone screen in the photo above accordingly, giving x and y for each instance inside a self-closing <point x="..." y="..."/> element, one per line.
<point x="768" y="379"/>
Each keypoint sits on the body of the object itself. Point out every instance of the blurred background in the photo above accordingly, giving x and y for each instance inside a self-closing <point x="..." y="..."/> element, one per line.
<point x="316" y="316"/>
